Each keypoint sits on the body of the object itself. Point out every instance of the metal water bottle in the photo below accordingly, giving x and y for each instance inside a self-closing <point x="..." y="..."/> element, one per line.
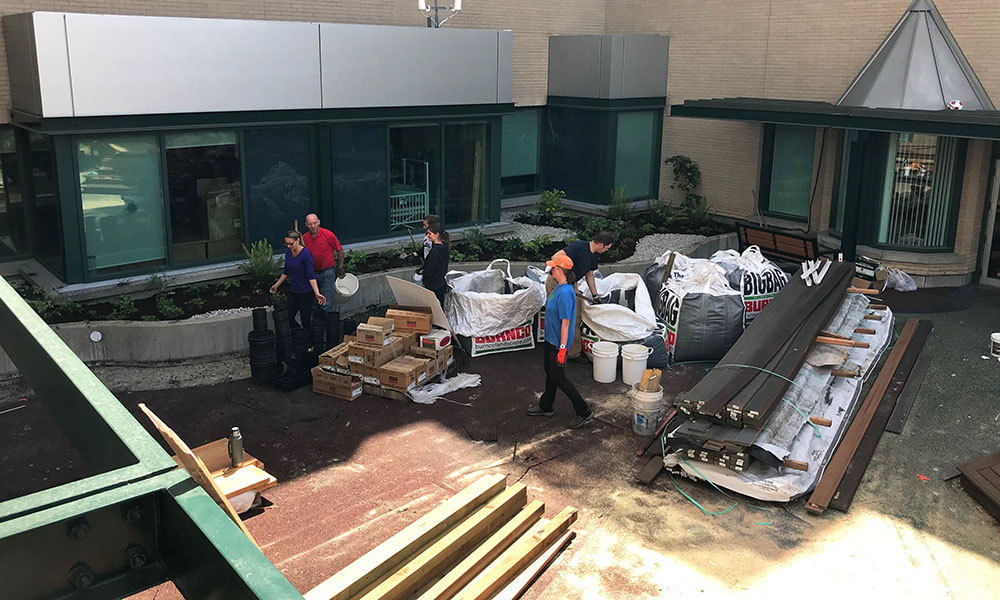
<point x="235" y="447"/>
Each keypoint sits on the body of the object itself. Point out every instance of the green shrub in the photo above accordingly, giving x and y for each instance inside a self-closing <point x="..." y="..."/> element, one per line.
<point x="619" y="209"/>
<point x="148" y="317"/>
<point x="157" y="283"/>
<point x="261" y="266"/>
<point x="536" y="247"/>
<point x="354" y="260"/>
<point x="224" y="288"/>
<point x="123" y="308"/>
<point x="166" y="307"/>
<point x="195" y="303"/>
<point x="550" y="204"/>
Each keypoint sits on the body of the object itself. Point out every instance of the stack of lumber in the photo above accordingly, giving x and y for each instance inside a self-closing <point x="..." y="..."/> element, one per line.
<point x="726" y="411"/>
<point x="487" y="541"/>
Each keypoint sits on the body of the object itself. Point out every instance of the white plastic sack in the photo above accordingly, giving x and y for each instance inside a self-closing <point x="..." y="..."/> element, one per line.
<point x="704" y="315"/>
<point x="898" y="280"/>
<point x="613" y="322"/>
<point x="758" y="279"/>
<point x="432" y="392"/>
<point x="477" y="305"/>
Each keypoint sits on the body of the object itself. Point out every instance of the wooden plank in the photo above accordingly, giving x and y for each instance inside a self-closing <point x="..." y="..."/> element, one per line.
<point x="866" y="291"/>
<point x="843" y="373"/>
<point x="798" y="465"/>
<point x="841" y="342"/>
<point x="525" y="550"/>
<point x="820" y="421"/>
<point x="522" y="582"/>
<point x="455" y="544"/>
<point x="851" y="480"/>
<point x="650" y="470"/>
<point x="992" y="478"/>
<point x="909" y="394"/>
<point x="831" y="334"/>
<point x="827" y="485"/>
<point x="391" y="553"/>
<point x="461" y="574"/>
<point x="215" y="455"/>
<point x="991" y="504"/>
<point x="865" y="330"/>
<point x="874" y="317"/>
<point x="196" y="468"/>
<point x="234" y="482"/>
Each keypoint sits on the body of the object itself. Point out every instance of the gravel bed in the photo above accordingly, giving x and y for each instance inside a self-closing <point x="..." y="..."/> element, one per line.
<point x="526" y="233"/>
<point x="221" y="312"/>
<point x="652" y="246"/>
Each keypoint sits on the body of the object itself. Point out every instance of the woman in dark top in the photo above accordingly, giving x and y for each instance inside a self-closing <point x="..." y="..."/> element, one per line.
<point x="299" y="271"/>
<point x="436" y="262"/>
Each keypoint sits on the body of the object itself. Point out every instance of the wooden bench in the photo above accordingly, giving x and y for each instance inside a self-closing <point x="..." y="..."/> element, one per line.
<point x="780" y="245"/>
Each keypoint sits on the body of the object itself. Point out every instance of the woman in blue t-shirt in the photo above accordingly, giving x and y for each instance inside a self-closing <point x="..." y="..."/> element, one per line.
<point x="302" y="287"/>
<point x="560" y="311"/>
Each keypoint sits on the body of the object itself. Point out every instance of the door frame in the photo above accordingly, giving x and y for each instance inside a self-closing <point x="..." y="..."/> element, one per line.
<point x="990" y="224"/>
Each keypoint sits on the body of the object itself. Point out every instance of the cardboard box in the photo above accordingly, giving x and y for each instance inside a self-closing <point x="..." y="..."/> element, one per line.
<point x="372" y="334"/>
<point x="433" y="359"/>
<point x="372" y="355"/>
<point x="409" y="320"/>
<point x="446" y="357"/>
<point x="387" y="325"/>
<point x="404" y="373"/>
<point x="437" y="339"/>
<point x="344" y="387"/>
<point x="410" y="338"/>
<point x="369" y="375"/>
<point x="336" y="357"/>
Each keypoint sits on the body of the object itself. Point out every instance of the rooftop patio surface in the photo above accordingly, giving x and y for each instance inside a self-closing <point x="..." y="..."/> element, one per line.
<point x="352" y="473"/>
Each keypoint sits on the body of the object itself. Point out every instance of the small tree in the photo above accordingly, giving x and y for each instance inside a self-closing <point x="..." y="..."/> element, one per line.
<point x="261" y="266"/>
<point x="687" y="178"/>
<point x="550" y="204"/>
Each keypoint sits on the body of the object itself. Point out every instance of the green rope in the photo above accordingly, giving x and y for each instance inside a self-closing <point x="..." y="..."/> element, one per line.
<point x="765" y="371"/>
<point x="804" y="416"/>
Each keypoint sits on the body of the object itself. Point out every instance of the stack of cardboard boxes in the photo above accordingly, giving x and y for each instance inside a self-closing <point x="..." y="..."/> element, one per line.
<point x="386" y="356"/>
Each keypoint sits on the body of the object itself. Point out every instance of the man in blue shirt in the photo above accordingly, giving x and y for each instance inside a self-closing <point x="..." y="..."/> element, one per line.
<point x="560" y="312"/>
<point x="584" y="256"/>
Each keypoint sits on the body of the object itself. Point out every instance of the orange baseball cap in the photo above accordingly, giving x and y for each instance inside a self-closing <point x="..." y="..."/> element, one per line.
<point x="560" y="260"/>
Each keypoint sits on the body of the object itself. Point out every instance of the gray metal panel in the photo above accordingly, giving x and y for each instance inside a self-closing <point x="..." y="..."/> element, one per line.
<point x="612" y="56"/>
<point x="136" y="65"/>
<point x="574" y="65"/>
<point x="55" y="88"/>
<point x="644" y="66"/>
<point x="505" y="67"/>
<point x="21" y="67"/>
<point x="366" y="65"/>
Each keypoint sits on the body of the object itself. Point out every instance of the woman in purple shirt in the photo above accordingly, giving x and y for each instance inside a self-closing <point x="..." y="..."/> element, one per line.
<point x="299" y="271"/>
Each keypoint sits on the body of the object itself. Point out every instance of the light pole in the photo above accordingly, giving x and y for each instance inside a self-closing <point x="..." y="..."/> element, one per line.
<point x="435" y="20"/>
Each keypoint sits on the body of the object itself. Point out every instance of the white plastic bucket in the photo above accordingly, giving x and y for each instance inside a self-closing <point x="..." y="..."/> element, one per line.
<point x="605" y="357"/>
<point x="344" y="288"/>
<point x="995" y="345"/>
<point x="646" y="408"/>
<point x="634" y="362"/>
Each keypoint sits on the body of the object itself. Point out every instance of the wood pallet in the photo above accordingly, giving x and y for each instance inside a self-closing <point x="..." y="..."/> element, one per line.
<point x="487" y="541"/>
<point x="981" y="479"/>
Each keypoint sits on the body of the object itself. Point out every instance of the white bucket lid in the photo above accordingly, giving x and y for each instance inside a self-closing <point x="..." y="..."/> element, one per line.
<point x="635" y="351"/>
<point x="605" y="348"/>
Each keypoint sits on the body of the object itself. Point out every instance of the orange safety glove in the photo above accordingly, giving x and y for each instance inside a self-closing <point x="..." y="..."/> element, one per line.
<point x="561" y="357"/>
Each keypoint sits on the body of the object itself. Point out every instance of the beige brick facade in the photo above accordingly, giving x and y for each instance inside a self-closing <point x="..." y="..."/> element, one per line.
<point x="791" y="49"/>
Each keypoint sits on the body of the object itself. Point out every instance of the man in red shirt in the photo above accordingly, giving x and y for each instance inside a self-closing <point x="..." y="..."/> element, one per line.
<point x="323" y="245"/>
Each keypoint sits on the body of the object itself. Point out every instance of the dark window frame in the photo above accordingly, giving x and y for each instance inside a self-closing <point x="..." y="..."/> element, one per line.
<point x="766" y="172"/>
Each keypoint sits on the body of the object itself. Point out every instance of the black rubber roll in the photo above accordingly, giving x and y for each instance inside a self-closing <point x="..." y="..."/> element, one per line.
<point x="317" y="330"/>
<point x="259" y="316"/>
<point x="263" y="354"/>
<point x="334" y="331"/>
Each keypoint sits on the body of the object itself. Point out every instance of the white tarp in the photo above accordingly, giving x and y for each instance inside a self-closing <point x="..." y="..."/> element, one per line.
<point x="613" y="322"/>
<point x="816" y="393"/>
<point x="477" y="306"/>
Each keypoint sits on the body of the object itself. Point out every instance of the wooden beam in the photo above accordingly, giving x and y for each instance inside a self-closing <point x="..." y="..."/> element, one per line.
<point x="820" y="421"/>
<point x="388" y="555"/>
<point x="525" y="550"/>
<point x="840" y="342"/>
<point x="826" y="333"/>
<point x="419" y="571"/>
<point x="522" y="582"/>
<point x="834" y="472"/>
<point x="874" y="317"/>
<point x="877" y="306"/>
<point x="798" y="465"/>
<point x="865" y="330"/>
<point x="909" y="394"/>
<point x="843" y="373"/>
<point x="866" y="291"/>
<point x="196" y="468"/>
<point x="473" y="564"/>
<point x="650" y="470"/>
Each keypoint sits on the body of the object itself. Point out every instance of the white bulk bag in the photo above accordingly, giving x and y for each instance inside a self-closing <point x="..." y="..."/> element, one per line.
<point x="478" y="306"/>
<point x="757" y="279"/>
<point x="613" y="322"/>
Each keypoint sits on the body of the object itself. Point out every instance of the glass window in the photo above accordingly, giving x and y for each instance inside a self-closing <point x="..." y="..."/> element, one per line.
<point x="122" y="197"/>
<point x="206" y="200"/>
<point x="837" y="218"/>
<point x="279" y="181"/>
<point x="573" y="153"/>
<point x="47" y="244"/>
<point x="466" y="174"/>
<point x="13" y="234"/>
<point x="787" y="186"/>
<point x="916" y="207"/>
<point x="414" y="166"/>
<point x="519" y="157"/>
<point x="636" y="146"/>
<point x="360" y="184"/>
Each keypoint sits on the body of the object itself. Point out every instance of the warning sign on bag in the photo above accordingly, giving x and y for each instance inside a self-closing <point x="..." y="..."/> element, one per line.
<point x="516" y="338"/>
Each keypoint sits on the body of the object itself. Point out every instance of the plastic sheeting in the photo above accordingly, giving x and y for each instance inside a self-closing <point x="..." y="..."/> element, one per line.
<point x="432" y="392"/>
<point x="788" y="435"/>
